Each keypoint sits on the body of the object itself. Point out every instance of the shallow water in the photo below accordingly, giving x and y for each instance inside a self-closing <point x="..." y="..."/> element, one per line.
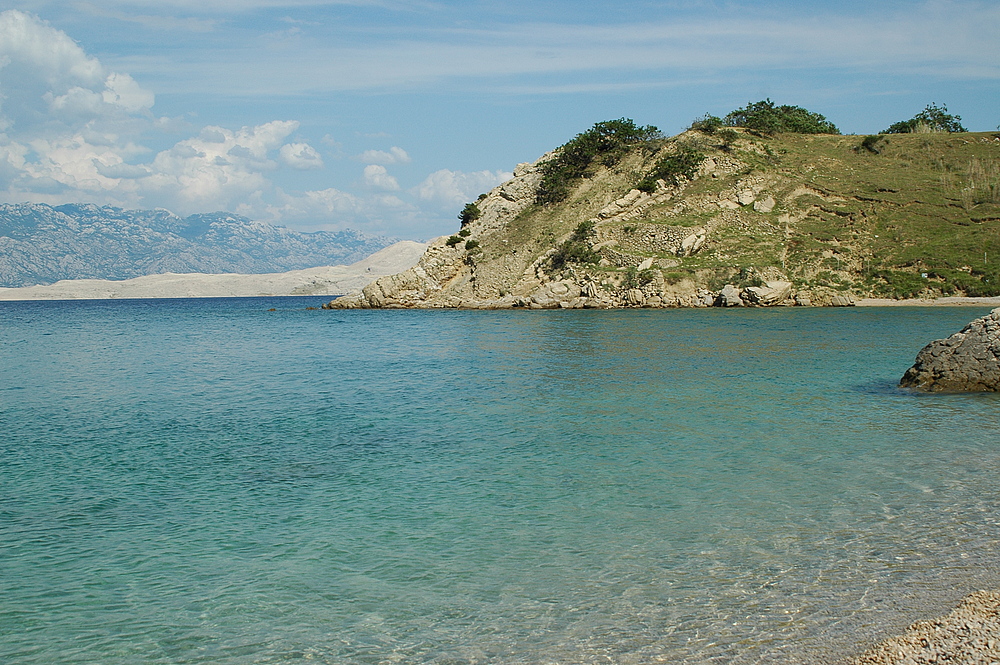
<point x="206" y="481"/>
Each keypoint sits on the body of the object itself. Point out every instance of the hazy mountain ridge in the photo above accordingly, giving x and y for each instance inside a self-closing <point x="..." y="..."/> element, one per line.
<point x="42" y="244"/>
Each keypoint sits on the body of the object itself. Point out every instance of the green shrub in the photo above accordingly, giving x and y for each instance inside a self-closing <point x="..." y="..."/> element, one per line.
<point x="576" y="249"/>
<point x="897" y="283"/>
<point x="766" y="118"/>
<point x="728" y="136"/>
<point x="977" y="284"/>
<point x="464" y="233"/>
<point x="871" y="143"/>
<point x="469" y="214"/>
<point x="707" y="124"/>
<point x="453" y="240"/>
<point x="471" y="244"/>
<point x="932" y="119"/>
<point x="682" y="163"/>
<point x="605" y="143"/>
<point x="635" y="278"/>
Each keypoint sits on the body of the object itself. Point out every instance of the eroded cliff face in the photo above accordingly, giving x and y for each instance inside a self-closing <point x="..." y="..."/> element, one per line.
<point x="762" y="221"/>
<point x="512" y="265"/>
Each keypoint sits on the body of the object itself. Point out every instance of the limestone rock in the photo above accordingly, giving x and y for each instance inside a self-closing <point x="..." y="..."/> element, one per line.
<point x="767" y="205"/>
<point x="771" y="293"/>
<point x="692" y="243"/>
<point x="729" y="297"/>
<point x="703" y="298"/>
<point x="842" y="301"/>
<point x="968" y="361"/>
<point x="634" y="297"/>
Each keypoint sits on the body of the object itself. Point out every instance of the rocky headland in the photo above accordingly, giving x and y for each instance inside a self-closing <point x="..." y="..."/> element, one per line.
<point x="727" y="218"/>
<point x="968" y="361"/>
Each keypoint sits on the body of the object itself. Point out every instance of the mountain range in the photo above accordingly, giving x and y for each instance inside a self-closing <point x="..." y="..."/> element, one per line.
<point x="42" y="244"/>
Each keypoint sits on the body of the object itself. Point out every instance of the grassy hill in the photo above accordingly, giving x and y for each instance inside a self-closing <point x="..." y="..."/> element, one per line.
<point x="670" y="221"/>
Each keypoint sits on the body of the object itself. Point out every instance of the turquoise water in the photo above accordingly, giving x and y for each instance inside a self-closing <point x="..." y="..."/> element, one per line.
<point x="206" y="481"/>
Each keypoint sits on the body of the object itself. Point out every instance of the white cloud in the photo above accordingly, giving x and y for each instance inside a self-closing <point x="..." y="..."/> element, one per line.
<point x="121" y="89"/>
<point x="301" y="156"/>
<point x="377" y="177"/>
<point x="72" y="130"/>
<point x="448" y="188"/>
<point x="48" y="83"/>
<point x="206" y="173"/>
<point x="395" y="155"/>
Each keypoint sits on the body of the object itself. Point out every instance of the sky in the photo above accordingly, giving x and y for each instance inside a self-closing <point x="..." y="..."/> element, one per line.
<point x="387" y="116"/>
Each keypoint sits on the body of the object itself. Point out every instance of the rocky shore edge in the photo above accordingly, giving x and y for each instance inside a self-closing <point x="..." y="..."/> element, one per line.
<point x="969" y="634"/>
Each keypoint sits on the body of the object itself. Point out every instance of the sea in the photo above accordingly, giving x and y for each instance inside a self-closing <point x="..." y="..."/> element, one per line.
<point x="237" y="481"/>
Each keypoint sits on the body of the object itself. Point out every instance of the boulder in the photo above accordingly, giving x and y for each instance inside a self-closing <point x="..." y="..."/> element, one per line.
<point x="842" y="301"/>
<point x="729" y="296"/>
<point x="968" y="361"/>
<point x="746" y="197"/>
<point x="771" y="293"/>
<point x="634" y="297"/>
<point x="767" y="205"/>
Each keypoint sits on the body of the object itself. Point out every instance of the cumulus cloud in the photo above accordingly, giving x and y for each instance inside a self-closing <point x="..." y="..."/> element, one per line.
<point x="395" y="155"/>
<point x="72" y="130"/>
<point x="449" y="188"/>
<point x="218" y="168"/>
<point x="48" y="83"/>
<point x="301" y="156"/>
<point x="377" y="177"/>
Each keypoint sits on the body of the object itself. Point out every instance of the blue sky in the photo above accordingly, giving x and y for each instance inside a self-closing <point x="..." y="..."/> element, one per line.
<point x="385" y="116"/>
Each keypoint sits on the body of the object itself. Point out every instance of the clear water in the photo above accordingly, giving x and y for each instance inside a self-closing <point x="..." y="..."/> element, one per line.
<point x="206" y="481"/>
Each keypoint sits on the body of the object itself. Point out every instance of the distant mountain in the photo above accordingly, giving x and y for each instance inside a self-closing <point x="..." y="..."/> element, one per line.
<point x="42" y="244"/>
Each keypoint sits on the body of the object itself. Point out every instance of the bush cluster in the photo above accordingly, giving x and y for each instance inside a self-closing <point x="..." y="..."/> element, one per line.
<point x="469" y="214"/>
<point x="635" y="278"/>
<point x="906" y="284"/>
<point x="682" y="163"/>
<point x="605" y="143"/>
<point x="767" y="118"/>
<point x="708" y="123"/>
<point x="933" y="118"/>
<point x="576" y="249"/>
<point x="871" y="143"/>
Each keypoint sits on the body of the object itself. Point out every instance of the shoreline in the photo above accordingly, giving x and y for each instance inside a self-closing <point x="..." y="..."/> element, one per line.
<point x="949" y="301"/>
<point x="969" y="634"/>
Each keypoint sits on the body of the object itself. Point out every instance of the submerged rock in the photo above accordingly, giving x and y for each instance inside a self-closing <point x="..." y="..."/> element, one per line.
<point x="968" y="361"/>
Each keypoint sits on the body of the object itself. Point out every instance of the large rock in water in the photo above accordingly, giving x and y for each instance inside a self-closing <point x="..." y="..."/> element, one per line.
<point x="968" y="361"/>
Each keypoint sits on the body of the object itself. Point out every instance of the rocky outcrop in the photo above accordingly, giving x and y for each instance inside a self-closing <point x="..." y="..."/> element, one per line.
<point x="770" y="293"/>
<point x="968" y="361"/>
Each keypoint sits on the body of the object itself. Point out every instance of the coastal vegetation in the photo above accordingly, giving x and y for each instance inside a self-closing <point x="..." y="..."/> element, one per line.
<point x="932" y="119"/>
<point x="603" y="145"/>
<point x="770" y="197"/>
<point x="767" y="118"/>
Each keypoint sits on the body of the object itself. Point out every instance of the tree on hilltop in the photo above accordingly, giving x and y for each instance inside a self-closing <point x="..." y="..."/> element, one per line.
<point x="767" y="118"/>
<point x="933" y="119"/>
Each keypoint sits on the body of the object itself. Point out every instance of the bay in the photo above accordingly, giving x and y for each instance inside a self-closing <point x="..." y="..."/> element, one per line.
<point x="208" y="481"/>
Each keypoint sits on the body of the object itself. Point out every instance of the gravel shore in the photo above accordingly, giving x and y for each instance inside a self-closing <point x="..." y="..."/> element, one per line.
<point x="969" y="634"/>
